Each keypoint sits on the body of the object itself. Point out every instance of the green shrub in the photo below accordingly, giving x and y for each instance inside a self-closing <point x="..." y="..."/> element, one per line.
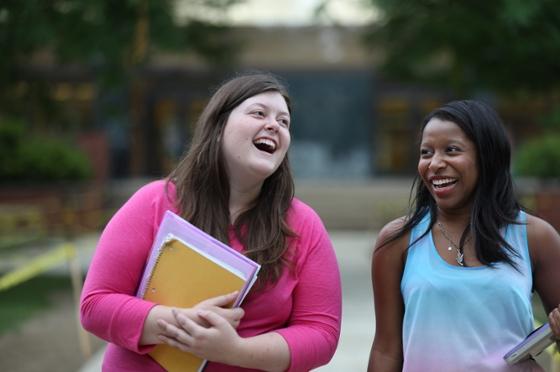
<point x="539" y="157"/>
<point x="28" y="158"/>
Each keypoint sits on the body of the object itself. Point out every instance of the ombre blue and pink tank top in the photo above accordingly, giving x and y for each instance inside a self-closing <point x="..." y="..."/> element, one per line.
<point x="464" y="318"/>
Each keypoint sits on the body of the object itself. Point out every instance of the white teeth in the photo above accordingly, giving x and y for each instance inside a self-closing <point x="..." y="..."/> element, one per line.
<point x="442" y="181"/>
<point x="267" y="142"/>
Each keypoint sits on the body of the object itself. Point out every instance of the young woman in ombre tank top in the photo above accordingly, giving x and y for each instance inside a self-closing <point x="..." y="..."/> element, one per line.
<point x="453" y="279"/>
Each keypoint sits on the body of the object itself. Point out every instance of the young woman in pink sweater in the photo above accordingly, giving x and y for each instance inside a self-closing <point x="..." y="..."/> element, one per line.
<point x="234" y="183"/>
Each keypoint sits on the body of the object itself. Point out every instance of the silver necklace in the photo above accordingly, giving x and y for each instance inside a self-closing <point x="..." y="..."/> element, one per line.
<point x="460" y="257"/>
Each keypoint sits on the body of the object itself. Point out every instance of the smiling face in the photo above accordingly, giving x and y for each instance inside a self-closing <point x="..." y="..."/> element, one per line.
<point x="448" y="165"/>
<point x="256" y="138"/>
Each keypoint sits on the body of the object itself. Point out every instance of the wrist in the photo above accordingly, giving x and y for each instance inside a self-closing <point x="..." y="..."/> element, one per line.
<point x="239" y="353"/>
<point x="150" y="330"/>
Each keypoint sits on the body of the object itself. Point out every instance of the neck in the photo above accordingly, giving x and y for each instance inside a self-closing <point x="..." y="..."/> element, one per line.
<point x="454" y="217"/>
<point x="241" y="198"/>
<point x="453" y="226"/>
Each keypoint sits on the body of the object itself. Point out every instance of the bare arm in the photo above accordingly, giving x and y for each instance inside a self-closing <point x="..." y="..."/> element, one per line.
<point x="544" y="247"/>
<point x="386" y="271"/>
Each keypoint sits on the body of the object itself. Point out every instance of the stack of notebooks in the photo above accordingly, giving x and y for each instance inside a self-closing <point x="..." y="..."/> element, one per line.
<point x="187" y="266"/>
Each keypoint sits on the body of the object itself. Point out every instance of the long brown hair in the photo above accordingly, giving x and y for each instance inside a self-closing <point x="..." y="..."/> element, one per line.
<point x="203" y="188"/>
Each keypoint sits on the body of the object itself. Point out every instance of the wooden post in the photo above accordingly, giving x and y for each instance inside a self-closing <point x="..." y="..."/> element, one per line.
<point x="76" y="277"/>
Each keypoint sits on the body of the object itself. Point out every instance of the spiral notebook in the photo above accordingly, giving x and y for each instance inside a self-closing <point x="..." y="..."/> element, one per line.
<point x="185" y="267"/>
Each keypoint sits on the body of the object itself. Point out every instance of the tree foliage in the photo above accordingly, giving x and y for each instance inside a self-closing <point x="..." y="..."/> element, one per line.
<point x="26" y="158"/>
<point x="539" y="157"/>
<point x="108" y="37"/>
<point x="500" y="45"/>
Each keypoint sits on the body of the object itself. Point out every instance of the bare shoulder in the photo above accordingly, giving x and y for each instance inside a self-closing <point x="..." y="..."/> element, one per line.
<point x="539" y="229"/>
<point x="389" y="230"/>
<point x="387" y="244"/>
<point x="541" y="236"/>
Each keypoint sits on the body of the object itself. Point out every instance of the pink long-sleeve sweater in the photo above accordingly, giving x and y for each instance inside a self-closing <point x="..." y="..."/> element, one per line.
<point x="304" y="306"/>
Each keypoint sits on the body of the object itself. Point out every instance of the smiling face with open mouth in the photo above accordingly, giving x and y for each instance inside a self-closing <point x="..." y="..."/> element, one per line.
<point x="256" y="138"/>
<point x="447" y="164"/>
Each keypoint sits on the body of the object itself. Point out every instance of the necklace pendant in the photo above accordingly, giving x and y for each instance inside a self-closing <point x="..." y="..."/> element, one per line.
<point x="460" y="259"/>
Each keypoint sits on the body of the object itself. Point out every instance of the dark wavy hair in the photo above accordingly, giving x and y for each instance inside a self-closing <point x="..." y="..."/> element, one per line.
<point x="494" y="202"/>
<point x="203" y="188"/>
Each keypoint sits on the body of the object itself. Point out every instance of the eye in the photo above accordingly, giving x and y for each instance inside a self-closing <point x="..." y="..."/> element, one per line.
<point x="453" y="149"/>
<point x="284" y="122"/>
<point x="424" y="153"/>
<point x="259" y="113"/>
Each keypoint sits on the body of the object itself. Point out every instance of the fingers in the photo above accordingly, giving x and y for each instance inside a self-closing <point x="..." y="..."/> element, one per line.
<point x="206" y="342"/>
<point x="554" y="320"/>
<point x="221" y="306"/>
<point x="185" y="322"/>
<point x="213" y="319"/>
<point x="221" y="301"/>
<point x="236" y="315"/>
<point x="173" y="335"/>
<point x="173" y="343"/>
<point x="233" y="314"/>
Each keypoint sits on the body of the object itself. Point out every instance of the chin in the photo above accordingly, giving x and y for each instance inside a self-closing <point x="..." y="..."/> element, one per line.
<point x="265" y="169"/>
<point x="260" y="174"/>
<point x="453" y="207"/>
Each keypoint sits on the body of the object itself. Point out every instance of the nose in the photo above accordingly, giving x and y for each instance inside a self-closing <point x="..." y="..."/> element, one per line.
<point x="272" y="125"/>
<point x="436" y="162"/>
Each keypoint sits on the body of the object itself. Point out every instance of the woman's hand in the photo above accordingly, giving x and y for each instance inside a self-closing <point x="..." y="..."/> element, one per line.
<point x="152" y="328"/>
<point x="554" y="320"/>
<point x="217" y="340"/>
<point x="218" y="305"/>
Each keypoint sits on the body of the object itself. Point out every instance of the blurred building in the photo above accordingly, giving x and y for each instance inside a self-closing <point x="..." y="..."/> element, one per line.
<point x="349" y="122"/>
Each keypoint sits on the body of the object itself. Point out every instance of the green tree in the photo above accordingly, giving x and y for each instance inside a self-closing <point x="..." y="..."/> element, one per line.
<point x="26" y="158"/>
<point x="110" y="38"/>
<point x="503" y="45"/>
<point x="109" y="42"/>
<point x="506" y="47"/>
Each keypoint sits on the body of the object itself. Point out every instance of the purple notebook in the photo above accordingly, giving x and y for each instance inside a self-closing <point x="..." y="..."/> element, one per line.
<point x="173" y="226"/>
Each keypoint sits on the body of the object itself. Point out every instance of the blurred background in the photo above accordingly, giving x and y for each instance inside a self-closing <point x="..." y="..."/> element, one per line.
<point x="98" y="97"/>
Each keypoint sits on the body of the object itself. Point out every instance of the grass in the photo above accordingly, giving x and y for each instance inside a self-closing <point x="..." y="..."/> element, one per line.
<point x="27" y="299"/>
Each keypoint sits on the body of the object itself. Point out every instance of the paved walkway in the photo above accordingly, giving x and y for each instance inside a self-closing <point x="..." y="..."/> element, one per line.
<point x="353" y="252"/>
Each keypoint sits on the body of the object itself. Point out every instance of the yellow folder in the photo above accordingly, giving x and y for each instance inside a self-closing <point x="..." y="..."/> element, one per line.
<point x="182" y="277"/>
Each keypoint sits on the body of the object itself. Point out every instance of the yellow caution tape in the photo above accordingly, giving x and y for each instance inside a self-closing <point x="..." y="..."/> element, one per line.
<point x="37" y="266"/>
